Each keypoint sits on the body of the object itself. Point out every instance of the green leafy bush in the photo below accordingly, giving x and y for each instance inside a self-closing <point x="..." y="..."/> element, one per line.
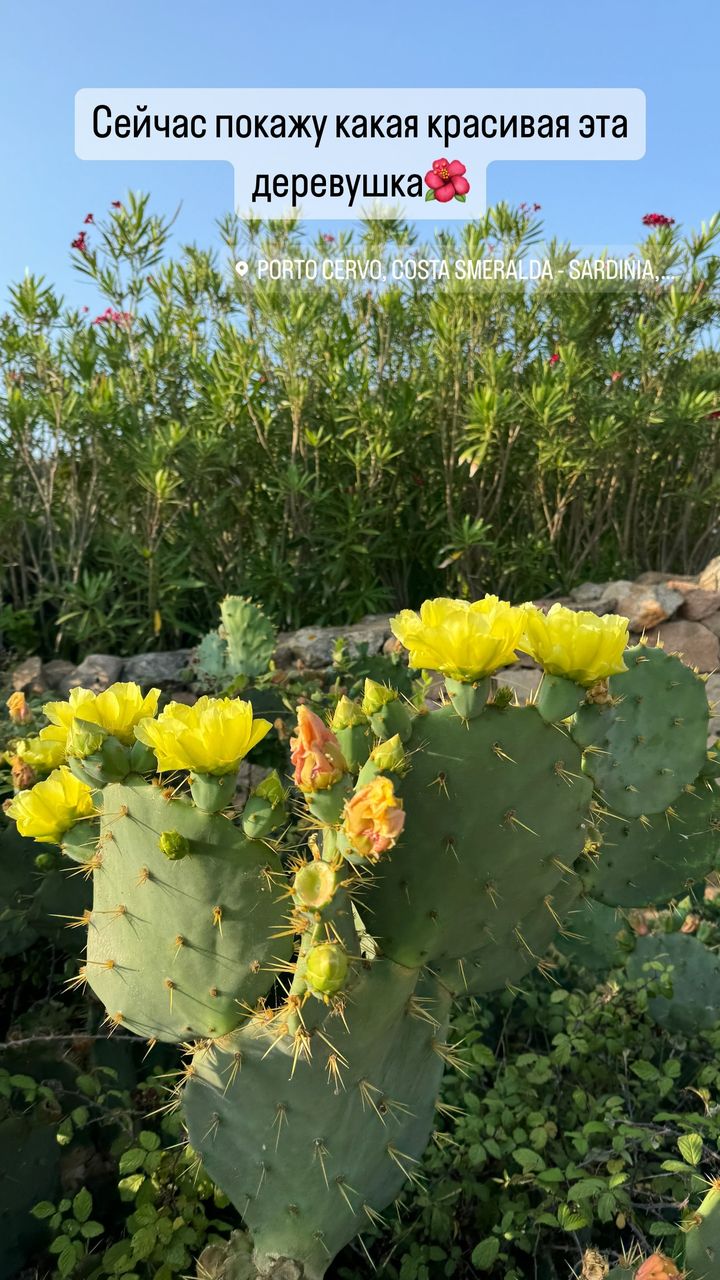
<point x="355" y="448"/>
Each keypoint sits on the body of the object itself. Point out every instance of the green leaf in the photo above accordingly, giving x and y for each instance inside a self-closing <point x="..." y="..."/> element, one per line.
<point x="132" y="1160"/>
<point x="89" y="1230"/>
<point x="59" y="1243"/>
<point x="149" y="1140"/>
<point x="644" y="1070"/>
<point x="143" y="1242"/>
<point x="690" y="1147"/>
<point x="485" y="1253"/>
<point x="44" y="1209"/>
<point x="129" y="1187"/>
<point x="529" y="1160"/>
<point x="67" y="1260"/>
<point x="461" y="198"/>
<point x="430" y="195"/>
<point x="82" y="1205"/>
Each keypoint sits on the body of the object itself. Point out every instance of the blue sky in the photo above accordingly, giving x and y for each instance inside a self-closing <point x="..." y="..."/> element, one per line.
<point x="52" y="49"/>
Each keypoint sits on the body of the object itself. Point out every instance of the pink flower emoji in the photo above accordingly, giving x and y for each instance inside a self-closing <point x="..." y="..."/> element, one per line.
<point x="554" y="359"/>
<point x="446" y="181"/>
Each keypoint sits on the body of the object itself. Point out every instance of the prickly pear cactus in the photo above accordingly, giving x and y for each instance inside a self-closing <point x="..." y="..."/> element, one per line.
<point x="702" y="1241"/>
<point x="240" y="650"/>
<point x="692" y="1000"/>
<point x="439" y="852"/>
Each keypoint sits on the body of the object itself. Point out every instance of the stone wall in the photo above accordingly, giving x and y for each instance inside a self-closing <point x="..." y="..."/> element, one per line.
<point x="682" y="613"/>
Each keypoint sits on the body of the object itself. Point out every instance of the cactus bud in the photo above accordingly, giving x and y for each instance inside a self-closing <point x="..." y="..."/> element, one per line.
<point x="18" y="708"/>
<point x="347" y="714"/>
<point x="376" y="696"/>
<point x="84" y="739"/>
<point x="174" y="846"/>
<point x="326" y="968"/>
<point x="389" y="756"/>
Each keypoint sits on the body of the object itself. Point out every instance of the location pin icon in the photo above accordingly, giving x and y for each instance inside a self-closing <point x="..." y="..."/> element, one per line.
<point x="241" y="269"/>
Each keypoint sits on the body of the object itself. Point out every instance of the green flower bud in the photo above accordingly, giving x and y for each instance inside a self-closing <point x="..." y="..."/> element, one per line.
<point x="389" y="755"/>
<point x="270" y="789"/>
<point x="346" y="714"/>
<point x="174" y="846"/>
<point x="84" y="739"/>
<point x="376" y="696"/>
<point x="326" y="968"/>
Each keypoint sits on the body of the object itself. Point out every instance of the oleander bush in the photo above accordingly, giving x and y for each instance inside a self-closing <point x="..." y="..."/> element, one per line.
<point x="339" y="448"/>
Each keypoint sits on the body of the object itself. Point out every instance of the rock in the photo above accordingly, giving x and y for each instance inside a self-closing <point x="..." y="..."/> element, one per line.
<point x="696" y="645"/>
<point x="601" y="606"/>
<point x="651" y="577"/>
<point x="96" y="672"/>
<point x="524" y="681"/>
<point x="161" y="670"/>
<point x="709" y="579"/>
<point x="546" y="603"/>
<point x="56" y="674"/>
<point x="700" y="604"/>
<point x="613" y="590"/>
<point x="647" y="606"/>
<point x="713" y="623"/>
<point x="393" y="645"/>
<point x="313" y="646"/>
<point x="28" y="677"/>
<point x="682" y="583"/>
<point x="587" y="591"/>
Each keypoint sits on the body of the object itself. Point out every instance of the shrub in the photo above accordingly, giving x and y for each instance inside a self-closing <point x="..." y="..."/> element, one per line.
<point x="339" y="449"/>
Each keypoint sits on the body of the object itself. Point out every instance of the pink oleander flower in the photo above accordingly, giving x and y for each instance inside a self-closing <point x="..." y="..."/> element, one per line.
<point x="616" y="375"/>
<point x="446" y="181"/>
<point x="554" y="358"/>
<point x="80" y="242"/>
<point x="315" y="753"/>
<point x="89" y="218"/>
<point x="658" y="220"/>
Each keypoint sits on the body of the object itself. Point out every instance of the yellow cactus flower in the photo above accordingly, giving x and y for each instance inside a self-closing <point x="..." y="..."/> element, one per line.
<point x="19" y="710"/>
<point x="374" y="818"/>
<point x="52" y="807"/>
<point x="117" y="709"/>
<point x="577" y="645"/>
<point x="315" y="753"/>
<point x="43" y="753"/>
<point x="212" y="736"/>
<point x="464" y="640"/>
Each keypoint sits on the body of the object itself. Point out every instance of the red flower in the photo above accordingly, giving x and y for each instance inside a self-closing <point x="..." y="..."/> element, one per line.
<point x="79" y="242"/>
<point x="536" y="207"/>
<point x="89" y="218"/>
<point x="657" y="220"/>
<point x="554" y="358"/>
<point x="328" y="239"/>
<point x="116" y="204"/>
<point x="714" y="416"/>
<point x="446" y="181"/>
<point x="615" y="376"/>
